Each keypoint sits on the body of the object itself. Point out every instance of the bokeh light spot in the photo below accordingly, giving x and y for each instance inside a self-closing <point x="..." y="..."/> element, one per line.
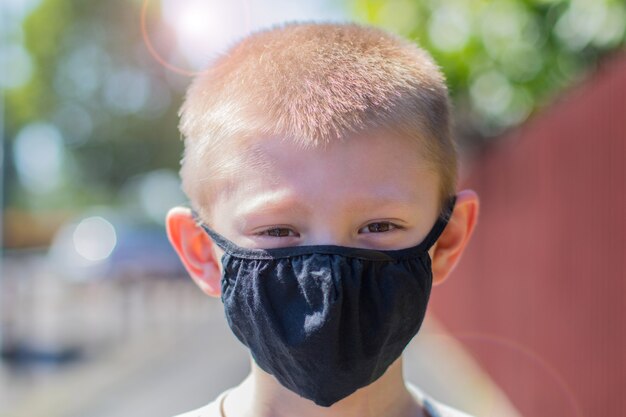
<point x="38" y="154"/>
<point x="16" y="64"/>
<point x="449" y="29"/>
<point x="94" y="238"/>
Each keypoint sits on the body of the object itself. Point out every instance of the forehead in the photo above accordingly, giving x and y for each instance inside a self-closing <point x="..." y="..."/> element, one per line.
<point x="374" y="169"/>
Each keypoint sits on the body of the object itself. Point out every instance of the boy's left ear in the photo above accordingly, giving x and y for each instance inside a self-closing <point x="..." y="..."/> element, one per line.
<point x="195" y="249"/>
<point x="446" y="252"/>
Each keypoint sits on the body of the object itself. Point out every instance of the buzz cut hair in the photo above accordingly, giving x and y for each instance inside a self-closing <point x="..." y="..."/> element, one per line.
<point x="313" y="83"/>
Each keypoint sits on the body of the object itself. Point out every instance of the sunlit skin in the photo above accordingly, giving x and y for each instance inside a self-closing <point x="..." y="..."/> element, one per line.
<point x="372" y="191"/>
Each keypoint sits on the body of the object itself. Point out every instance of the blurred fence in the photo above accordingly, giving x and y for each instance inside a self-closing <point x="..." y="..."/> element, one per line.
<point x="540" y="295"/>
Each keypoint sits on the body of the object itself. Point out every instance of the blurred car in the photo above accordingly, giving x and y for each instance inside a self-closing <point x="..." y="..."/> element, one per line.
<point x="104" y="244"/>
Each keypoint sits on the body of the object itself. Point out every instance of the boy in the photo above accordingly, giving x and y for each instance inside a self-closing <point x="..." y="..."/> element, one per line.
<point x="322" y="174"/>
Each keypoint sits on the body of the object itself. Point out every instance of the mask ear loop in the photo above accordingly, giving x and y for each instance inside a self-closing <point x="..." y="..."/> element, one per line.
<point x="220" y="240"/>
<point x="440" y="224"/>
<point x="196" y="218"/>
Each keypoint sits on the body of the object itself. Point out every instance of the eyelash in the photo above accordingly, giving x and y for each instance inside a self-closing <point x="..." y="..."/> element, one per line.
<point x="263" y="233"/>
<point x="392" y="226"/>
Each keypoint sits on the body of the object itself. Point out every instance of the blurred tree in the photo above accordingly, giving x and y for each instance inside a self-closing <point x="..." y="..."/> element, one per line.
<point x="94" y="110"/>
<point x="87" y="107"/>
<point x="503" y="58"/>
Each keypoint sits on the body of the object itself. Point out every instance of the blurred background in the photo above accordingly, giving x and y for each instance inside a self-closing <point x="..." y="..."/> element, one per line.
<point x="97" y="315"/>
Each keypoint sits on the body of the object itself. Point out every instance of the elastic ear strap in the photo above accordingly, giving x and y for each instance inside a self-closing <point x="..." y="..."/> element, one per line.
<point x="440" y="224"/>
<point x="220" y="240"/>
<point x="196" y="217"/>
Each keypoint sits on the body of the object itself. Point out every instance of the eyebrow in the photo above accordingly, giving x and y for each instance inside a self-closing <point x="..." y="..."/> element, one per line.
<point x="269" y="205"/>
<point x="361" y="203"/>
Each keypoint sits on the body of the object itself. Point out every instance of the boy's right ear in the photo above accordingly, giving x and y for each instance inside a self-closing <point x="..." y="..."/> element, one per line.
<point x="195" y="249"/>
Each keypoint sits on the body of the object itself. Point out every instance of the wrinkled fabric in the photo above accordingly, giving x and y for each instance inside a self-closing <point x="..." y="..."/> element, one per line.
<point x="326" y="320"/>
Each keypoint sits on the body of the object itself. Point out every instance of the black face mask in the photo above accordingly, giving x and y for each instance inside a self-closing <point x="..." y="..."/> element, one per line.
<point x="326" y="320"/>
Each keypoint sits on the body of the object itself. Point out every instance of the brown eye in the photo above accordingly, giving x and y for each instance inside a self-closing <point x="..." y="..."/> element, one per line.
<point x="277" y="232"/>
<point x="380" y="227"/>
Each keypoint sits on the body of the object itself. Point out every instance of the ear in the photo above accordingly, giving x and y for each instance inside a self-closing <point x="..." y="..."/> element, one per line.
<point x="447" y="251"/>
<point x="196" y="250"/>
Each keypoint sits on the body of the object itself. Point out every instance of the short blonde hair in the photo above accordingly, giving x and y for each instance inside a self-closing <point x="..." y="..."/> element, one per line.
<point x="313" y="83"/>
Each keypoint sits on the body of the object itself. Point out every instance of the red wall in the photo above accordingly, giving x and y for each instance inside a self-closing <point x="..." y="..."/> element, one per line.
<point x="540" y="295"/>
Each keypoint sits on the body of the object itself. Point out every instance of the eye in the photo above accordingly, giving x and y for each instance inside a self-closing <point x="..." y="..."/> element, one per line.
<point x="379" y="227"/>
<point x="277" y="232"/>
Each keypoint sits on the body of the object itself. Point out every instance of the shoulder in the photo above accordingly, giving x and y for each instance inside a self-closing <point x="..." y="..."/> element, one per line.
<point x="434" y="407"/>
<point x="213" y="409"/>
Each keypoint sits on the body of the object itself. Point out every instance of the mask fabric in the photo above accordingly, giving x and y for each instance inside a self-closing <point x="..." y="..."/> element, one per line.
<point x="326" y="320"/>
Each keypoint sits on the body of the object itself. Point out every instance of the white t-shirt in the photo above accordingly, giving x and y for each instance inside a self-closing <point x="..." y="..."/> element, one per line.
<point x="431" y="406"/>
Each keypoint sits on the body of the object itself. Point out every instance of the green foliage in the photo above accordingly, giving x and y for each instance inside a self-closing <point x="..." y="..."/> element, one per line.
<point x="503" y="58"/>
<point x="42" y="31"/>
<point x="113" y="105"/>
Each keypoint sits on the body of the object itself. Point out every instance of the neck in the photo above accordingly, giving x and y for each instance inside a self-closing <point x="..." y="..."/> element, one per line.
<point x="261" y="395"/>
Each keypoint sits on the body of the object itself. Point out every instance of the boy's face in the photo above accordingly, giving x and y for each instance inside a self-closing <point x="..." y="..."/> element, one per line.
<point x="370" y="192"/>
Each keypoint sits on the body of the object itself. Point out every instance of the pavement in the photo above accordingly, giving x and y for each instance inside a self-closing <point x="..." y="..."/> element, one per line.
<point x="185" y="364"/>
